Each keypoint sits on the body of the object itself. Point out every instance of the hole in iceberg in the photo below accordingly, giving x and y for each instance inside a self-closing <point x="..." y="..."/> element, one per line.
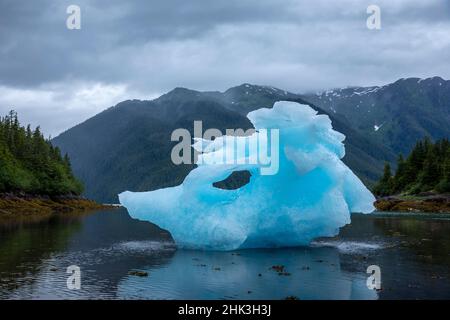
<point x="236" y="180"/>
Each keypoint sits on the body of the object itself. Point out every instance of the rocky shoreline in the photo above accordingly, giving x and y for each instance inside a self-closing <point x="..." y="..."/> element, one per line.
<point x="426" y="202"/>
<point x="36" y="207"/>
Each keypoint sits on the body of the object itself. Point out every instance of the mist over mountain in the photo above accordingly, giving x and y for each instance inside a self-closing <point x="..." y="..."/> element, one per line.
<point x="128" y="146"/>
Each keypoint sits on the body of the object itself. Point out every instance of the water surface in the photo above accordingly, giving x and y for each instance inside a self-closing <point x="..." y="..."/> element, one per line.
<point x="412" y="250"/>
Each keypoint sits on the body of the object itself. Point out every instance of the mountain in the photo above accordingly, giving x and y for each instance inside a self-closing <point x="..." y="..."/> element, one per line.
<point x="128" y="146"/>
<point x="396" y="115"/>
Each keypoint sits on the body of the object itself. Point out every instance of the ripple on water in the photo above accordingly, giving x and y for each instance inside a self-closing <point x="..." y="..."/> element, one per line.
<point x="349" y="246"/>
<point x="145" y="246"/>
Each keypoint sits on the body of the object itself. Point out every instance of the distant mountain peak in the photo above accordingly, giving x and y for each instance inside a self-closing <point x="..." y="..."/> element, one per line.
<point x="435" y="79"/>
<point x="181" y="90"/>
<point x="179" y="93"/>
<point x="350" y="91"/>
<point x="396" y="114"/>
<point x="248" y="88"/>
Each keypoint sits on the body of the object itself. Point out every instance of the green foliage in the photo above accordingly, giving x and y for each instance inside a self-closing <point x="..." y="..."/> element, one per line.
<point x="386" y="183"/>
<point x="29" y="163"/>
<point x="427" y="168"/>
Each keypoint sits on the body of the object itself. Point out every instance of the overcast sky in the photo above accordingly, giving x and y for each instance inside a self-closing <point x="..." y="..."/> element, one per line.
<point x="57" y="77"/>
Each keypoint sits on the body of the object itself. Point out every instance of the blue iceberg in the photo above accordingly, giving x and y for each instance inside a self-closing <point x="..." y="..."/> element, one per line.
<point x="310" y="194"/>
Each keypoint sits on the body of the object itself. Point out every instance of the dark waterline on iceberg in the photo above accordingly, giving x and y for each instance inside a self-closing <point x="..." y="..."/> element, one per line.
<point x="412" y="250"/>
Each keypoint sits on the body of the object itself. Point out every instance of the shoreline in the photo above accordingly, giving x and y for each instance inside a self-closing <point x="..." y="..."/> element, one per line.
<point x="25" y="207"/>
<point x="427" y="202"/>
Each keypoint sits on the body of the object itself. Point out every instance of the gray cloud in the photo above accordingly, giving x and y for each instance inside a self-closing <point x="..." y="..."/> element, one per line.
<point x="139" y="49"/>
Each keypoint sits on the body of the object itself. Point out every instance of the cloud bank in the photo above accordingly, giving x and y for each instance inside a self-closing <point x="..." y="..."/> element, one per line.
<point x="139" y="49"/>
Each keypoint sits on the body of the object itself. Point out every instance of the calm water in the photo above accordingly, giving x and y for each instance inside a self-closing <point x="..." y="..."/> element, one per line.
<point x="413" y="252"/>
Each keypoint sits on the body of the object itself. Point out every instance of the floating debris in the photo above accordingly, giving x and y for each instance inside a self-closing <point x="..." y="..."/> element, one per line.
<point x="278" y="268"/>
<point x="138" y="273"/>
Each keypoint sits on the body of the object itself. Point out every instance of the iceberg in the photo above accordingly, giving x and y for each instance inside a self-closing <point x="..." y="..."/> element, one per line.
<point x="311" y="194"/>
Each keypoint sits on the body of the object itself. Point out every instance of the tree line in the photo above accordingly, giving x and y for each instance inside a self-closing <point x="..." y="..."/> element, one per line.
<point x="427" y="168"/>
<point x="30" y="164"/>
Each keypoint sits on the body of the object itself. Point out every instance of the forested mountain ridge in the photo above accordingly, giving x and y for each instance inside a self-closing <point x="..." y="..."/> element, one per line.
<point x="127" y="147"/>
<point x="396" y="115"/>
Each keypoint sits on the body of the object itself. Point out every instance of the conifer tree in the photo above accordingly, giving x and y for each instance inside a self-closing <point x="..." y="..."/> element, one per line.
<point x="427" y="168"/>
<point x="30" y="164"/>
